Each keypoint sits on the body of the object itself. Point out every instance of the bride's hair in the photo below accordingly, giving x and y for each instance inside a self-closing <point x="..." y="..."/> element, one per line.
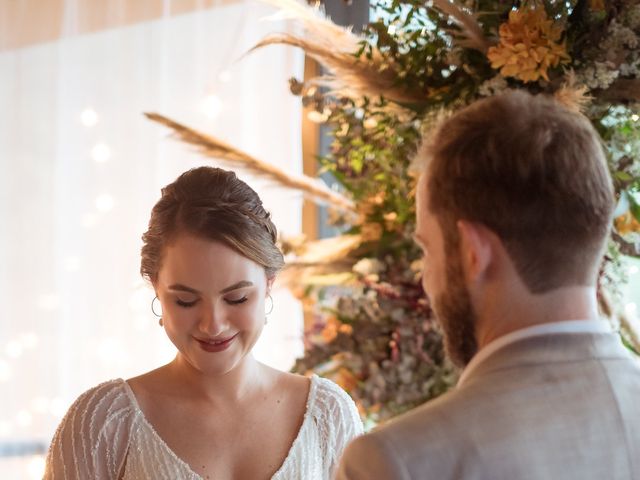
<point x="213" y="204"/>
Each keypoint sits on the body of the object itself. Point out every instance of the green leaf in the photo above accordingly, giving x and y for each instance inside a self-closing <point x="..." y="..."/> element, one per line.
<point x="624" y="176"/>
<point x="634" y="206"/>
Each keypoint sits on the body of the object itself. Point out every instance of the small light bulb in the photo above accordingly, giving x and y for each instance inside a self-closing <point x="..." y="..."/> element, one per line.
<point x="211" y="106"/>
<point x="105" y="203"/>
<point x="89" y="117"/>
<point x="100" y="153"/>
<point x="225" y="77"/>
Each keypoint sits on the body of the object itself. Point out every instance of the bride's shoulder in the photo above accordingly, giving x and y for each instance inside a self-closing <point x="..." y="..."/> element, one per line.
<point x="93" y="437"/>
<point x="100" y="400"/>
<point x="295" y="387"/>
<point x="330" y="395"/>
<point x="321" y="393"/>
<point x="334" y="409"/>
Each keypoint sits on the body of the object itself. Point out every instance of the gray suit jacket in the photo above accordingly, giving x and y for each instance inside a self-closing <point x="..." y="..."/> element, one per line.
<point x="557" y="406"/>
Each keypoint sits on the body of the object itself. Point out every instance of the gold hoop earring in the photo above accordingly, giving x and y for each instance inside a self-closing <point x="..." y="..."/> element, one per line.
<point x="270" y="309"/>
<point x="154" y="311"/>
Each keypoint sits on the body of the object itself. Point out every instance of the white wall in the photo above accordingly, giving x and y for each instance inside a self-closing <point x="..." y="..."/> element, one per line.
<point x="73" y="309"/>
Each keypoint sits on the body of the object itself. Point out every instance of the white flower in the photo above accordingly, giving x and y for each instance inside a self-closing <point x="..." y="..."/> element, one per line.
<point x="317" y="117"/>
<point x="618" y="38"/>
<point x="492" y="86"/>
<point x="368" y="266"/>
<point x="633" y="17"/>
<point x="598" y="75"/>
<point x="630" y="69"/>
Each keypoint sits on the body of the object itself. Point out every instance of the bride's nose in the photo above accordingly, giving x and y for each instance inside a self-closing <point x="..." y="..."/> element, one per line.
<point x="212" y="322"/>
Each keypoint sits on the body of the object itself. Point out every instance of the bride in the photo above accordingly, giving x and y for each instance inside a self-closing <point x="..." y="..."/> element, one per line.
<point x="214" y="412"/>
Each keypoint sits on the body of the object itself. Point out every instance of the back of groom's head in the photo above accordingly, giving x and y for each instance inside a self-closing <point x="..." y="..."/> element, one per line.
<point x="535" y="174"/>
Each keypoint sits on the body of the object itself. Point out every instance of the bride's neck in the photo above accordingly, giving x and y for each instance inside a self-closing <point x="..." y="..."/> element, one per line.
<point x="232" y="386"/>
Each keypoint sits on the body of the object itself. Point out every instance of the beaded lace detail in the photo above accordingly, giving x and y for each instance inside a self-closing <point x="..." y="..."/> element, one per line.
<point x="105" y="436"/>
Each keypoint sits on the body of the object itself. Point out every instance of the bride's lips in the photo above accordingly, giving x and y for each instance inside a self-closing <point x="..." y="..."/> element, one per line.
<point x="216" y="345"/>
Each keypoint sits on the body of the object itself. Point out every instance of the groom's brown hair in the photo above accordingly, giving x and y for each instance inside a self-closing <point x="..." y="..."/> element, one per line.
<point x="533" y="172"/>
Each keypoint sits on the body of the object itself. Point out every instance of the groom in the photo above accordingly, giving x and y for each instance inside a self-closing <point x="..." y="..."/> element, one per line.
<point x="513" y="212"/>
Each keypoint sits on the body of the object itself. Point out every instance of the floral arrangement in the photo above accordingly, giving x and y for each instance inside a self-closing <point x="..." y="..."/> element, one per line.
<point x="372" y="329"/>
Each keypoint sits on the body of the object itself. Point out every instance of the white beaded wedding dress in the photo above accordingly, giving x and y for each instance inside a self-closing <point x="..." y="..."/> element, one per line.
<point x="105" y="436"/>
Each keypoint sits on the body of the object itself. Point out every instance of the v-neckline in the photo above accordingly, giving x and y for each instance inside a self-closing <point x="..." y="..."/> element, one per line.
<point x="306" y="419"/>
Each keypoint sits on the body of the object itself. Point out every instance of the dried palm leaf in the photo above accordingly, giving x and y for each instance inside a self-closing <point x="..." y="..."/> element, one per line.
<point x="295" y="277"/>
<point x="321" y="257"/>
<point x="471" y="33"/>
<point x="317" y="24"/>
<point x="630" y="334"/>
<point x="350" y="76"/>
<point x="334" y="47"/>
<point x="212" y="147"/>
<point x="328" y="250"/>
<point x="619" y="320"/>
<point x="573" y="95"/>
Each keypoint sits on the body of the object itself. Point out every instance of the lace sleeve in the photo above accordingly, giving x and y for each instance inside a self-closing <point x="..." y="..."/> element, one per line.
<point x="341" y="420"/>
<point x="93" y="437"/>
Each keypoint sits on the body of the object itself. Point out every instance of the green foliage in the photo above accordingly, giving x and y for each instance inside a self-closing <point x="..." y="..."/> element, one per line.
<point x="376" y="335"/>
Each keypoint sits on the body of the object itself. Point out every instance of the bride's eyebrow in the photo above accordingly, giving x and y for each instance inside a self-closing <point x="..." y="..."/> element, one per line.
<point x="235" y="286"/>
<point x="183" y="288"/>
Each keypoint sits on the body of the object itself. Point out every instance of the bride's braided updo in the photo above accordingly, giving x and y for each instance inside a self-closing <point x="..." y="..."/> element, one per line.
<point x="213" y="204"/>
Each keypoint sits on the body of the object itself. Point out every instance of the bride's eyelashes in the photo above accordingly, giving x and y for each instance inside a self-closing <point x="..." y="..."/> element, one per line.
<point x="185" y="304"/>
<point x="236" y="302"/>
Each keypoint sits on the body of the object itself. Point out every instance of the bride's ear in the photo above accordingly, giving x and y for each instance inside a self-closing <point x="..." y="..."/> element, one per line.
<point x="270" y="281"/>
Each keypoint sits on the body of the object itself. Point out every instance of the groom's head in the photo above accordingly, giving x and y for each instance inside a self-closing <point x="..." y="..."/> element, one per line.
<point x="517" y="173"/>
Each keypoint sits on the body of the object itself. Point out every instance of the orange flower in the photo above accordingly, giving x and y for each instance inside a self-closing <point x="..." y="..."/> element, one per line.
<point x="330" y="330"/>
<point x="345" y="379"/>
<point x="346" y="329"/>
<point x="528" y="46"/>
<point x="627" y="223"/>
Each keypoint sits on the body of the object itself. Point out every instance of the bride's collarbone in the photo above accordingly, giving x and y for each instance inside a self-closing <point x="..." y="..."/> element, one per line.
<point x="248" y="439"/>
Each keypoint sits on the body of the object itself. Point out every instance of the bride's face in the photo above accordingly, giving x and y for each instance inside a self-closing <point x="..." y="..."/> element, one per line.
<point x="212" y="302"/>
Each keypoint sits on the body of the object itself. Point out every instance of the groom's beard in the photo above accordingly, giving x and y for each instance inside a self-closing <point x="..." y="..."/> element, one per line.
<point x="455" y="313"/>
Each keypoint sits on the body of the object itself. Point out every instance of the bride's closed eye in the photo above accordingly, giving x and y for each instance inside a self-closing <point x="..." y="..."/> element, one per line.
<point x="238" y="301"/>
<point x="185" y="304"/>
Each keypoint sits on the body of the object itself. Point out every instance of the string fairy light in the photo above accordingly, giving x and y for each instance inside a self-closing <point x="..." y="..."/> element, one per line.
<point x="100" y="153"/>
<point x="104" y="203"/>
<point x="89" y="117"/>
<point x="211" y="106"/>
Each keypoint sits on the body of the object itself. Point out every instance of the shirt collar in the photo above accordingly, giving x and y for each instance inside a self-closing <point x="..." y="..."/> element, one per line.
<point x="568" y="326"/>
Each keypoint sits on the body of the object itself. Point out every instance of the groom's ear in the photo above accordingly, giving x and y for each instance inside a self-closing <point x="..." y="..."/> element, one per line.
<point x="476" y="249"/>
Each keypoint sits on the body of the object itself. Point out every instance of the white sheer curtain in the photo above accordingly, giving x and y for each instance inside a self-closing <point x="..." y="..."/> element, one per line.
<point x="80" y="168"/>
